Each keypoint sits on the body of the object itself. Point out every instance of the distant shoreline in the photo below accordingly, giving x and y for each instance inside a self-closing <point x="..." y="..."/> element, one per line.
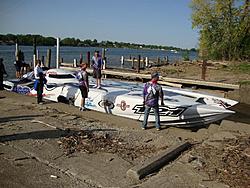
<point x="10" y="39"/>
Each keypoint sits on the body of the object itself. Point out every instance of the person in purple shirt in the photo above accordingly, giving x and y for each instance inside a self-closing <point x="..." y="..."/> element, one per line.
<point x="151" y="93"/>
<point x="83" y="84"/>
<point x="97" y="67"/>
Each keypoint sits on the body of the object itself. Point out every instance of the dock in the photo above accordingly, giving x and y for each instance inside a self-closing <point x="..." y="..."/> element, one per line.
<point x="174" y="82"/>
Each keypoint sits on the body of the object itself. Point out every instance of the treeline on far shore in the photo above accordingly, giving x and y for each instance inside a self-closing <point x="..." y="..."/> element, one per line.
<point x="10" y="39"/>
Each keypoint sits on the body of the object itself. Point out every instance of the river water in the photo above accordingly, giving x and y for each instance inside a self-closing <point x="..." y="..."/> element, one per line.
<point x="70" y="53"/>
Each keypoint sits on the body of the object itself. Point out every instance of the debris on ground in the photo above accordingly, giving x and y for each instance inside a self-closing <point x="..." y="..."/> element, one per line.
<point x="89" y="142"/>
<point x="229" y="164"/>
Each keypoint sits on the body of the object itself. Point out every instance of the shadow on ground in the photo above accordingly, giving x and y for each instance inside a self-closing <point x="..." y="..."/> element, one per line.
<point x="18" y="118"/>
<point x="34" y="135"/>
<point x="45" y="134"/>
<point x="242" y="114"/>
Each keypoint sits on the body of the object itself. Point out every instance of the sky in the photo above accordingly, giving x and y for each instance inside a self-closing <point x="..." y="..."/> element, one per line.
<point x="157" y="22"/>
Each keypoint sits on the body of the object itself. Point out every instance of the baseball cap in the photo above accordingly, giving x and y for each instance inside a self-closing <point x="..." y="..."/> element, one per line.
<point x="155" y="75"/>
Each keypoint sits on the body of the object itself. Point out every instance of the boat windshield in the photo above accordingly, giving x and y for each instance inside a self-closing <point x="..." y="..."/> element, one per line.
<point x="61" y="76"/>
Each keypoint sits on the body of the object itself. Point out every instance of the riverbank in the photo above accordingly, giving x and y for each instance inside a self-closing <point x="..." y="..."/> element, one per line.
<point x="226" y="72"/>
<point x="221" y="72"/>
<point x="42" y="142"/>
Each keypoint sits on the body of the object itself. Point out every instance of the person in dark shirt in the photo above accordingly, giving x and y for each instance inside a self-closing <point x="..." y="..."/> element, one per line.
<point x="2" y="72"/>
<point x="97" y="68"/>
<point x="39" y="88"/>
<point x="151" y="93"/>
<point x="83" y="85"/>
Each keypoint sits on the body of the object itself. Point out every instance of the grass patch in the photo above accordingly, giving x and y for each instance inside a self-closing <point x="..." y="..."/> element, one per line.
<point x="240" y="68"/>
<point x="244" y="82"/>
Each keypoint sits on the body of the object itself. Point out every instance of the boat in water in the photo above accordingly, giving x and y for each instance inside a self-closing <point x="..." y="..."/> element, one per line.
<point x="183" y="108"/>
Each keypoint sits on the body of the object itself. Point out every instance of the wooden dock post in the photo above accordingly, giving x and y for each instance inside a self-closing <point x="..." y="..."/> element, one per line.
<point x="88" y="58"/>
<point x="104" y="59"/>
<point x="80" y="61"/>
<point x="103" y="53"/>
<point x="203" y="69"/>
<point x="146" y="63"/>
<point x="48" y="58"/>
<point x="143" y="63"/>
<point x="158" y="61"/>
<point x="57" y="53"/>
<point x="133" y="63"/>
<point x="37" y="54"/>
<point x="75" y="63"/>
<point x="34" y="52"/>
<point x="42" y="61"/>
<point x="17" y="49"/>
<point x="122" y="61"/>
<point x="166" y="58"/>
<point x="139" y="63"/>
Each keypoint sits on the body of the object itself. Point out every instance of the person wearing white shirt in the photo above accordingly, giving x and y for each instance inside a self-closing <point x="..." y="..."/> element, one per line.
<point x="38" y="69"/>
<point x="39" y="83"/>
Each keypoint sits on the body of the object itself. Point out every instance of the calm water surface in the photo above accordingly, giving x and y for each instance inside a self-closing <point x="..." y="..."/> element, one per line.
<point x="70" y="53"/>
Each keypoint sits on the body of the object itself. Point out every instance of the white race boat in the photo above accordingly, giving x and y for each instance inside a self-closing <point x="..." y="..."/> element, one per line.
<point x="182" y="107"/>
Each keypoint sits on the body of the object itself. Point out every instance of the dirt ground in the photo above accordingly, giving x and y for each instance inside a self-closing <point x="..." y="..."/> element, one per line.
<point x="216" y="71"/>
<point x="55" y="145"/>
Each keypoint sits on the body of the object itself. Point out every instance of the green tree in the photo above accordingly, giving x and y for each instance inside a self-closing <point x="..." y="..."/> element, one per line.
<point x="224" y="28"/>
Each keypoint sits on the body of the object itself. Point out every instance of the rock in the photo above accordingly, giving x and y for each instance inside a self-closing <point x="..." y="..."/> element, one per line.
<point x="216" y="139"/>
<point x="246" y="152"/>
<point x="53" y="176"/>
<point x="69" y="117"/>
<point x="219" y="136"/>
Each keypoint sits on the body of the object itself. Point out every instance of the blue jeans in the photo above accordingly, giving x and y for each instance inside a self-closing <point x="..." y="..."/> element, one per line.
<point x="157" y="116"/>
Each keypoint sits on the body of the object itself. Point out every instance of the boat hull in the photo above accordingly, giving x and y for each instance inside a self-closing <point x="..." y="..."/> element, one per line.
<point x="182" y="108"/>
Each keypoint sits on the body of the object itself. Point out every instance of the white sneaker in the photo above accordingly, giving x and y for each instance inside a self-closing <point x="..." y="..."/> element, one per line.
<point x="98" y="87"/>
<point x="95" y="86"/>
<point x="82" y="109"/>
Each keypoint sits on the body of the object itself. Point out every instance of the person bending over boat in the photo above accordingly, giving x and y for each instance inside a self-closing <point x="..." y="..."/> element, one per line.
<point x="18" y="66"/>
<point x="40" y="81"/>
<point x="39" y="84"/>
<point x="83" y="85"/>
<point x="97" y="68"/>
<point x="2" y="72"/>
<point x="151" y="93"/>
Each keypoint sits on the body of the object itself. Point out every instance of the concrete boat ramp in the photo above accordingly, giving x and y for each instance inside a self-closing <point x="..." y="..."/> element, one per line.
<point x="34" y="150"/>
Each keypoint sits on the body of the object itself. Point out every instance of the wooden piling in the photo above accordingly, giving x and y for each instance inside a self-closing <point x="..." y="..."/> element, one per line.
<point x="17" y="49"/>
<point x="133" y="63"/>
<point x="37" y="54"/>
<point x="203" y="70"/>
<point x="146" y="62"/>
<point x="103" y="53"/>
<point x="75" y="63"/>
<point x="158" y="61"/>
<point x="48" y="58"/>
<point x="34" y="52"/>
<point x="155" y="163"/>
<point x="80" y="61"/>
<point x="57" y="53"/>
<point x="139" y="63"/>
<point x="42" y="61"/>
<point x="122" y="60"/>
<point x="104" y="59"/>
<point x="143" y="63"/>
<point x="88" y="58"/>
